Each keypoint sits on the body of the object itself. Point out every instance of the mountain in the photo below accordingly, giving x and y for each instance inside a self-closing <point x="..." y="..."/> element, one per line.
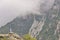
<point x="18" y="25"/>
<point x="43" y="27"/>
<point x="49" y="26"/>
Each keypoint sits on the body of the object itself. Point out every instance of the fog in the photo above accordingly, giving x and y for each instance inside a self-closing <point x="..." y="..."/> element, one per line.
<point x="10" y="9"/>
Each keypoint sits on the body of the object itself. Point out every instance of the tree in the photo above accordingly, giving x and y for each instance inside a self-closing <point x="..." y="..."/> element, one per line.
<point x="28" y="37"/>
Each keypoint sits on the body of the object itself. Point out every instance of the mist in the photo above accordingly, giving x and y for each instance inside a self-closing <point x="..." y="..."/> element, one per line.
<point x="10" y="9"/>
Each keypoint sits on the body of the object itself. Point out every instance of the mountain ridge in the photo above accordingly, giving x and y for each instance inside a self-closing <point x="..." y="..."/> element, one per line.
<point x="50" y="30"/>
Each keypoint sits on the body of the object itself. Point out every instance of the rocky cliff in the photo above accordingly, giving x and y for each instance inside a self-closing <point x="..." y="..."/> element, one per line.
<point x="44" y="27"/>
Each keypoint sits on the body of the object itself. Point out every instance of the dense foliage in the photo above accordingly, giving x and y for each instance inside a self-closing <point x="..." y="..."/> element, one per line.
<point x="28" y="37"/>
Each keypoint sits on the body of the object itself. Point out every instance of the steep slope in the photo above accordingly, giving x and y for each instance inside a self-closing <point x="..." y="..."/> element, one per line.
<point x="44" y="27"/>
<point x="20" y="25"/>
<point x="37" y="27"/>
<point x="51" y="28"/>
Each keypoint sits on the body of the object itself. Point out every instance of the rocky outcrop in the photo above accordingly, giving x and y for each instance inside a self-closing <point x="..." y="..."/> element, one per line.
<point x="10" y="36"/>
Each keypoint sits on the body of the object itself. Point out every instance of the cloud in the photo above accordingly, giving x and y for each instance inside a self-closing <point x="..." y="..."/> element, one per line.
<point x="9" y="9"/>
<point x="21" y="6"/>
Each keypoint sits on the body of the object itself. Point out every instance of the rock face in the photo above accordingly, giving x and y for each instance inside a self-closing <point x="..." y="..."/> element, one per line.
<point x="43" y="27"/>
<point x="19" y="25"/>
<point x="51" y="28"/>
<point x="10" y="36"/>
<point x="36" y="27"/>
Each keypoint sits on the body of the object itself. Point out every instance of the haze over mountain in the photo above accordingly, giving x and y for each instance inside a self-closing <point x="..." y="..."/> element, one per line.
<point x="10" y="9"/>
<point x="45" y="26"/>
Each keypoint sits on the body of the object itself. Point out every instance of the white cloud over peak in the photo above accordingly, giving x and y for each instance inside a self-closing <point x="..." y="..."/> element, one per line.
<point x="9" y="9"/>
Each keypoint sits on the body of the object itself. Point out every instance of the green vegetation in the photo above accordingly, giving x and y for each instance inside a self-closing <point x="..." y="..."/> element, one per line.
<point x="28" y="37"/>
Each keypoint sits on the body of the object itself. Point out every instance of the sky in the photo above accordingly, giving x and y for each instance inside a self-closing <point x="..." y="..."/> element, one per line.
<point x="10" y="9"/>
